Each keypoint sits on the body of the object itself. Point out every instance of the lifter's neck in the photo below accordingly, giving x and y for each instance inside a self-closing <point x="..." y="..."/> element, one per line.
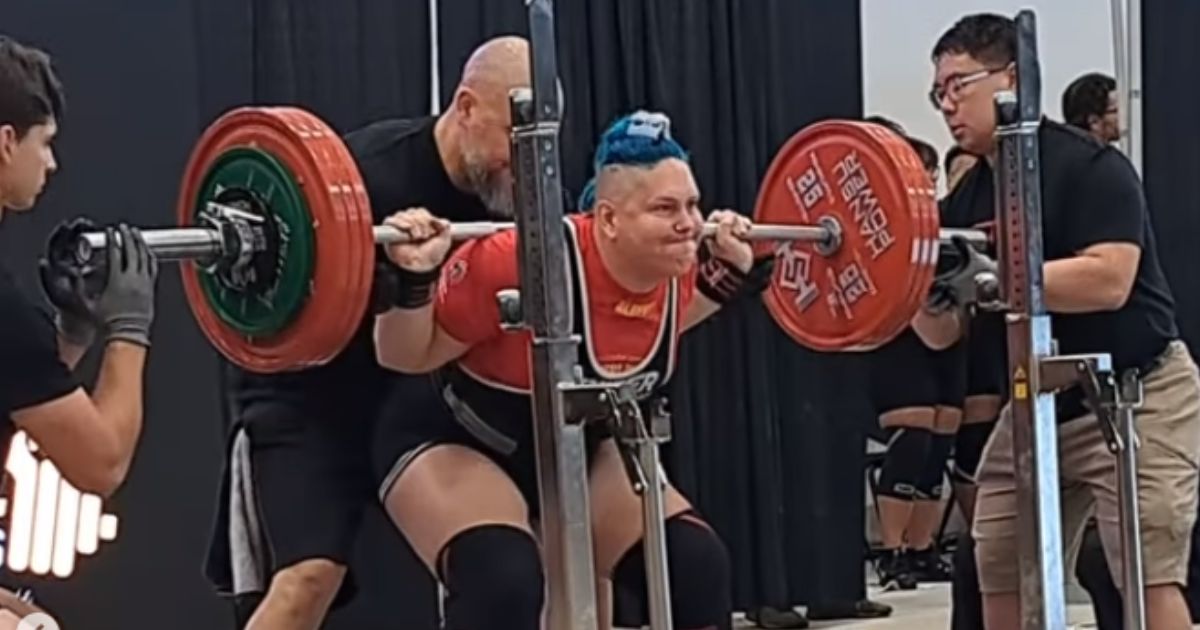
<point x="627" y="275"/>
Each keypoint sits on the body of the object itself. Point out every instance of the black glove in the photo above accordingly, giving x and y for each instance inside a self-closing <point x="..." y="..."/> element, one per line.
<point x="71" y="288"/>
<point x="126" y="306"/>
<point x="941" y="298"/>
<point x="963" y="278"/>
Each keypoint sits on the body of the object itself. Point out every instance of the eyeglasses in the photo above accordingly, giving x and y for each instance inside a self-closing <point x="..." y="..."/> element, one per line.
<point x="955" y="84"/>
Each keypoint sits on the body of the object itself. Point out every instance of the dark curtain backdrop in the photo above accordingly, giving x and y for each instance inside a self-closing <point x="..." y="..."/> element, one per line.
<point x="768" y="437"/>
<point x="1171" y="153"/>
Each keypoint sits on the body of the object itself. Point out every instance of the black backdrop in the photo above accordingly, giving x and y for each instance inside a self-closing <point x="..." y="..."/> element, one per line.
<point x="768" y="437"/>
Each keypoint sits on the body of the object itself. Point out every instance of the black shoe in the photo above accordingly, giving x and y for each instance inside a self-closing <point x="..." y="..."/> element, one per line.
<point x="773" y="618"/>
<point x="927" y="565"/>
<point x="894" y="572"/>
<point x="861" y="609"/>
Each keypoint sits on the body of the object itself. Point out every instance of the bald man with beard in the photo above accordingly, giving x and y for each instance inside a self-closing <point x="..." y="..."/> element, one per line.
<point x="299" y="471"/>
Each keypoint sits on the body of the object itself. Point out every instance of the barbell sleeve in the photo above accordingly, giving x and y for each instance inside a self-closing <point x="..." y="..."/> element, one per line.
<point x="168" y="244"/>
<point x="196" y="243"/>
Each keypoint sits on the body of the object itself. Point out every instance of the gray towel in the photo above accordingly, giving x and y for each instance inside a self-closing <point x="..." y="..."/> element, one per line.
<point x="247" y="547"/>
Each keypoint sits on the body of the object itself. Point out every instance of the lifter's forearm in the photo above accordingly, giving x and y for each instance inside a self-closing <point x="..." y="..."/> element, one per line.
<point x="1083" y="284"/>
<point x="118" y="397"/>
<point x="403" y="338"/>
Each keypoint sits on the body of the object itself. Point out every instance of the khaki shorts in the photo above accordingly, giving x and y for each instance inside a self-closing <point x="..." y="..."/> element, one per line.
<point x="1168" y="427"/>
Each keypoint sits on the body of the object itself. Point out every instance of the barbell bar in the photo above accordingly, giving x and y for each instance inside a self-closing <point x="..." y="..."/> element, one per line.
<point x="275" y="237"/>
<point x="178" y="244"/>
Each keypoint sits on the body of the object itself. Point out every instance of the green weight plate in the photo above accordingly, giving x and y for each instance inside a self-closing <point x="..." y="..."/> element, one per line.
<point x="264" y="300"/>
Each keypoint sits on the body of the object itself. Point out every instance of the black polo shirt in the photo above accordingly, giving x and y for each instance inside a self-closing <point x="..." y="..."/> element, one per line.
<point x="401" y="168"/>
<point x="1090" y="194"/>
<point x="31" y="372"/>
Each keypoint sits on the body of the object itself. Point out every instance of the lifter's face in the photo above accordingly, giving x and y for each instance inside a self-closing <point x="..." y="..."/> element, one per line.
<point x="657" y="223"/>
<point x="25" y="164"/>
<point x="486" y="127"/>
<point x="963" y="91"/>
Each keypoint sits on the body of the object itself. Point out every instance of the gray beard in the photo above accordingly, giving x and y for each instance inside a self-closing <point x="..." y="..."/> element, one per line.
<point x="493" y="189"/>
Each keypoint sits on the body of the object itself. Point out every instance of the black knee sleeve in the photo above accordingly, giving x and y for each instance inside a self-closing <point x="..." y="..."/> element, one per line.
<point x="929" y="487"/>
<point x="903" y="464"/>
<point x="493" y="578"/>
<point x="968" y="449"/>
<point x="699" y="572"/>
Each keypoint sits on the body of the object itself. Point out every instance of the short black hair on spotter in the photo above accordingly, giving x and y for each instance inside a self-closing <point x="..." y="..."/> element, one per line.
<point x="887" y="122"/>
<point x="987" y="37"/>
<point x="1087" y="96"/>
<point x="30" y="92"/>
<point x="952" y="154"/>
<point x="928" y="154"/>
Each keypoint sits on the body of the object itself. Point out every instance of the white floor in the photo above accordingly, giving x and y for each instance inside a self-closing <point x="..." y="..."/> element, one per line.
<point x="928" y="608"/>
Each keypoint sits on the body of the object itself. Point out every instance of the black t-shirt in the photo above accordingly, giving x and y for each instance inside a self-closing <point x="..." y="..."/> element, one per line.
<point x="400" y="167"/>
<point x="31" y="372"/>
<point x="1090" y="194"/>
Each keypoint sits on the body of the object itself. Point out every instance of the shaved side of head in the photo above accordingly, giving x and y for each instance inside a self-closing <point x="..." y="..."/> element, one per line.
<point x="615" y="183"/>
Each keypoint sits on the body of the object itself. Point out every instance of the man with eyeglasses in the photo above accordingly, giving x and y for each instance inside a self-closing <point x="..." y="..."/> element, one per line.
<point x="1090" y="103"/>
<point x="1106" y="293"/>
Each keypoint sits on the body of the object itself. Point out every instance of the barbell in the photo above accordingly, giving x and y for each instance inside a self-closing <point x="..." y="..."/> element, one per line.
<point x="276" y="238"/>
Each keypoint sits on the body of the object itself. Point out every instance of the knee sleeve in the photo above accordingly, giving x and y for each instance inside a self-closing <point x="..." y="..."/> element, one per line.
<point x="493" y="578"/>
<point x="907" y="453"/>
<point x="699" y="571"/>
<point x="968" y="449"/>
<point x="929" y="487"/>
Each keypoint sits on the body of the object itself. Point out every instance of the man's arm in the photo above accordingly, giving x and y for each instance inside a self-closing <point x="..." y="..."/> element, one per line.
<point x="92" y="439"/>
<point x="1098" y="278"/>
<point x="1106" y="230"/>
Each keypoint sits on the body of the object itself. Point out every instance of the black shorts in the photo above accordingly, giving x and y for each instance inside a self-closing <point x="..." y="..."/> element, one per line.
<point x="987" y="355"/>
<point x="420" y="416"/>
<point x="907" y="373"/>
<point x="306" y="487"/>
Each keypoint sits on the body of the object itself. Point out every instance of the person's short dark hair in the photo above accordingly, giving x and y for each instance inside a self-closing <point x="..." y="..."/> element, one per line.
<point x="887" y="122"/>
<point x="954" y="153"/>
<point x="987" y="37"/>
<point x="928" y="154"/>
<point x="1087" y="96"/>
<point x="30" y="93"/>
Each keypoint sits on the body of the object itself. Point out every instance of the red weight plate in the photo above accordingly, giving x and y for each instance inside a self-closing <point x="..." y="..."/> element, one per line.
<point x="357" y="255"/>
<point x="333" y="222"/>
<point x="924" y="200"/>
<point x="316" y="332"/>
<point x="923" y="197"/>
<point x="858" y="295"/>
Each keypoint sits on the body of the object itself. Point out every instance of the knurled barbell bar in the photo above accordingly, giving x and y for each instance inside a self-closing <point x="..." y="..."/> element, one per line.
<point x="276" y="236"/>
